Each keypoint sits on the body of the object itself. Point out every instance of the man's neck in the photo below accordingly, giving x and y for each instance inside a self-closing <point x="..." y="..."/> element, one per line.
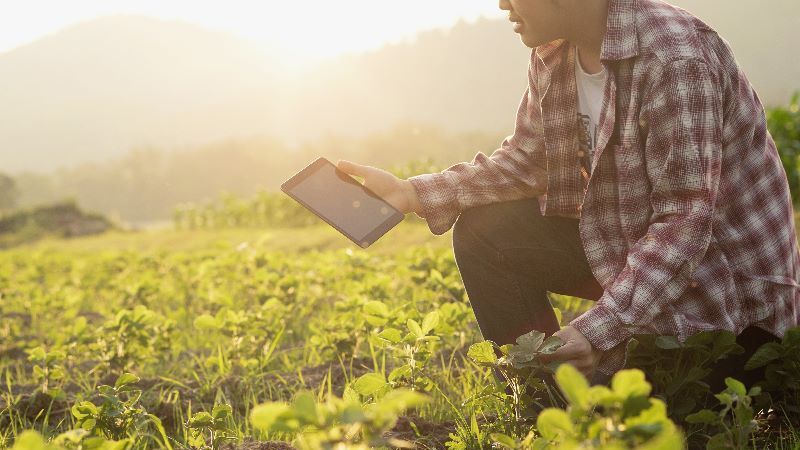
<point x="587" y="32"/>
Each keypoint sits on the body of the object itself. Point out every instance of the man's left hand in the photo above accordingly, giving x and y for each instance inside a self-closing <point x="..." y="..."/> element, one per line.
<point x="577" y="350"/>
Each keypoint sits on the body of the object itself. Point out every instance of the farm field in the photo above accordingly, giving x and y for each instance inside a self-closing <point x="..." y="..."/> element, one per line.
<point x="280" y="338"/>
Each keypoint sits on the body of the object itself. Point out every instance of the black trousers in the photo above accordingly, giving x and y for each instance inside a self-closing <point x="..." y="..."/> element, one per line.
<point x="510" y="257"/>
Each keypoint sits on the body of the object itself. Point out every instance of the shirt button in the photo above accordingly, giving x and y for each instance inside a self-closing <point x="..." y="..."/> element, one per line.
<point x="581" y="153"/>
<point x="693" y="284"/>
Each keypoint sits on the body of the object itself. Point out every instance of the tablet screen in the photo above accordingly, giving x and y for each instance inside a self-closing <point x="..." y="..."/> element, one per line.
<point x="343" y="202"/>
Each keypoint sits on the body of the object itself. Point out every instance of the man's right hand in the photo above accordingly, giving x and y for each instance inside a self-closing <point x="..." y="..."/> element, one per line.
<point x="398" y="193"/>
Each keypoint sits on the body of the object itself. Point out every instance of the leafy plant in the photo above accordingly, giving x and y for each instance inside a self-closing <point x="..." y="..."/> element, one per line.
<point x="781" y="383"/>
<point x="69" y="440"/>
<point x="784" y="126"/>
<point x="338" y="423"/>
<point x="214" y="428"/>
<point x="620" y="417"/>
<point x="678" y="370"/>
<point x="520" y="367"/>
<point x="136" y="335"/>
<point x="414" y="350"/>
<point x="119" y="414"/>
<point x="735" y="422"/>
<point x="47" y="369"/>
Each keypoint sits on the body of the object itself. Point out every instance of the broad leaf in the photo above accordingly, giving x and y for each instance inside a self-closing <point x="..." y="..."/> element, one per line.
<point x="764" y="355"/>
<point x="430" y="322"/>
<point x="482" y="353"/>
<point x="573" y="385"/>
<point x="553" y="423"/>
<point x="369" y="384"/>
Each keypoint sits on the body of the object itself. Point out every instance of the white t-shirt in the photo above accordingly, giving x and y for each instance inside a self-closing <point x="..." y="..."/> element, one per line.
<point x="590" y="102"/>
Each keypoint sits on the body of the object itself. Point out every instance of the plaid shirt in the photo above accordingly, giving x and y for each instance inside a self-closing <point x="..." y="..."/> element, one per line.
<point x="686" y="219"/>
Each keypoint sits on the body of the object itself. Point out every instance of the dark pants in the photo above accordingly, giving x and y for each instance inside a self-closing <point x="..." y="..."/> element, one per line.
<point x="510" y="257"/>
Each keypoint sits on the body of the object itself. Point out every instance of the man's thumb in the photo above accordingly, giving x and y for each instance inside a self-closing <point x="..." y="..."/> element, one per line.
<point x="352" y="168"/>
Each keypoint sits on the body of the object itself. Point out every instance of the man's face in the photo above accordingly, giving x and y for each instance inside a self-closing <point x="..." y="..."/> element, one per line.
<point x="536" y="21"/>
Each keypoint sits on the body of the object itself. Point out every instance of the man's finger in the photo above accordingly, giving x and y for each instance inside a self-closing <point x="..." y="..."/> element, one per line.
<point x="352" y="168"/>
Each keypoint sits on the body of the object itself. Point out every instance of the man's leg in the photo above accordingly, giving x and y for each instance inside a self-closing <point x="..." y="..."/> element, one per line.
<point x="509" y="256"/>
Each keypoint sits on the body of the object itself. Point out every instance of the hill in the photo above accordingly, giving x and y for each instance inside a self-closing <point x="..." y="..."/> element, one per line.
<point x="96" y="90"/>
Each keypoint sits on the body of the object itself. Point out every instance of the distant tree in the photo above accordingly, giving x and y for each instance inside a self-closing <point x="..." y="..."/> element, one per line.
<point x="8" y="192"/>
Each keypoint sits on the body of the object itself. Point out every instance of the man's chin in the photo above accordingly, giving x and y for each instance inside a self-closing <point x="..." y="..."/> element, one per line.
<point x="531" y="42"/>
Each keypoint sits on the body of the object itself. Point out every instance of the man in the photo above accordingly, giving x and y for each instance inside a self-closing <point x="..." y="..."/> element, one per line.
<point x="640" y="174"/>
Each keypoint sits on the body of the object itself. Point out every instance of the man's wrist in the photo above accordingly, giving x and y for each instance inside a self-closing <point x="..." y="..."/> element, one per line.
<point x="413" y="199"/>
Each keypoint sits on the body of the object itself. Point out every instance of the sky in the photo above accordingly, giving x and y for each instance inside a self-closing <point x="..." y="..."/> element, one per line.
<point x="315" y="28"/>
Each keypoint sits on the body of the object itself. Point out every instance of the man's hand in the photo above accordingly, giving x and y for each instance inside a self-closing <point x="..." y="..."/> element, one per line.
<point x="577" y="350"/>
<point x="398" y="193"/>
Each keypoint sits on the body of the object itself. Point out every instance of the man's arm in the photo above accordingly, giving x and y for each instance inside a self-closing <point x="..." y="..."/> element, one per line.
<point x="685" y="112"/>
<point x="513" y="171"/>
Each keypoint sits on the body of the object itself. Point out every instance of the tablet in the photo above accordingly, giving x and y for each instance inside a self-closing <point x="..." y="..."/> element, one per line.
<point x="342" y="202"/>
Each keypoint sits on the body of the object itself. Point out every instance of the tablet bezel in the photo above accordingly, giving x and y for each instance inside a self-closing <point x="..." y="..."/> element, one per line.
<point x="391" y="221"/>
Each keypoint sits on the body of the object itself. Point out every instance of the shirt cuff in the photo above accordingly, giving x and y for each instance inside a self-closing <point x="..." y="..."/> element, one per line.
<point x="438" y="200"/>
<point x="601" y="327"/>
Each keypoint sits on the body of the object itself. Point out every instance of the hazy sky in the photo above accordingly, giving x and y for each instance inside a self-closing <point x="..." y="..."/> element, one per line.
<point x="312" y="27"/>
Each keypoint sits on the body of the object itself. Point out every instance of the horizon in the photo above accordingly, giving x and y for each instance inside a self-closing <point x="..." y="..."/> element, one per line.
<point x="276" y="27"/>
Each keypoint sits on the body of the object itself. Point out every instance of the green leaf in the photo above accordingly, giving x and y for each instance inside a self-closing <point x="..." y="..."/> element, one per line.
<point x="531" y="341"/>
<point x="414" y="328"/>
<point x="482" y="353"/>
<point x="222" y="411"/>
<point x="126" y="379"/>
<point x="705" y="416"/>
<point x="554" y="423"/>
<point x="504" y="441"/>
<point x="573" y="385"/>
<point x="264" y="416"/>
<point x="30" y="440"/>
<point x="36" y="354"/>
<point x="667" y="342"/>
<point x="370" y="383"/>
<point x="392" y="335"/>
<point x="376" y="308"/>
<point x="630" y="383"/>
<point x="430" y="322"/>
<point x="206" y="322"/>
<point x="765" y="354"/>
<point x="200" y="420"/>
<point x="305" y="407"/>
<point x="399" y="400"/>
<point x="551" y="344"/>
<point x="400" y="373"/>
<point x="736" y="386"/>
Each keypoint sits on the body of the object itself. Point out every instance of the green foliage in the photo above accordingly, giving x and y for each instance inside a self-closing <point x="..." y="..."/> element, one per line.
<point x="337" y="423"/>
<point x="47" y="369"/>
<point x="210" y="431"/>
<point x="619" y="417"/>
<point x="784" y="126"/>
<point x="60" y="220"/>
<point x="413" y="349"/>
<point x="732" y="426"/>
<point x="132" y="335"/>
<point x="522" y="371"/>
<point x="70" y="440"/>
<point x="781" y="382"/>
<point x="118" y="414"/>
<point x="678" y="370"/>
<point x="242" y="325"/>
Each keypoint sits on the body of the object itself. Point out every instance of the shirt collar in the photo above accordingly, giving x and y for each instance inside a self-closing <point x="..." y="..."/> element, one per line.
<point x="621" y="41"/>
